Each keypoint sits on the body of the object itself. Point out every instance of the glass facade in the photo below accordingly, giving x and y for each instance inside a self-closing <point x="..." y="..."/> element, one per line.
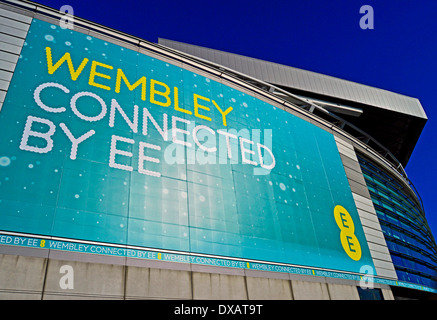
<point x="406" y="231"/>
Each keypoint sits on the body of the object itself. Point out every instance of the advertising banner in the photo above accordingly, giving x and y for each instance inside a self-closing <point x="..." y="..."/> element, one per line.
<point x="105" y="144"/>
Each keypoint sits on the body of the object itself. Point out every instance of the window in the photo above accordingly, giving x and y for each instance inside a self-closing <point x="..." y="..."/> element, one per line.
<point x="405" y="229"/>
<point x="370" y="294"/>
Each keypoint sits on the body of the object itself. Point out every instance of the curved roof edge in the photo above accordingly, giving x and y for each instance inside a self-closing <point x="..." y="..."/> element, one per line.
<point x="304" y="80"/>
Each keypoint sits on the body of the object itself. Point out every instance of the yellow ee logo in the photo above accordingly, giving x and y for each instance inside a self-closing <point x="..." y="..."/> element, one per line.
<point x="349" y="241"/>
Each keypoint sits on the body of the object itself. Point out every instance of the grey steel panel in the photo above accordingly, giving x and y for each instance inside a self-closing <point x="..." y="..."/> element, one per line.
<point x="402" y="104"/>
<point x="369" y="220"/>
<point x="365" y="199"/>
<point x="282" y="74"/>
<point x="348" y="153"/>
<point x="270" y="69"/>
<point x="263" y="71"/>
<point x="373" y="232"/>
<point x="357" y="187"/>
<point x="399" y="104"/>
<point x="307" y="82"/>
<point x="367" y="95"/>
<point x="300" y="82"/>
<point x="355" y="176"/>
<point x="10" y="48"/>
<point x="9" y="57"/>
<point x="393" y="102"/>
<point x="244" y="66"/>
<point x="378" y="100"/>
<point x="360" y="94"/>
<point x="198" y="52"/>
<point x="380" y="255"/>
<point x="352" y="164"/>
<point x="343" y="142"/>
<point x="311" y="81"/>
<point x="4" y="85"/>
<point x="335" y="88"/>
<point x="318" y="84"/>
<point x="13" y="31"/>
<point x="15" y="16"/>
<point x="215" y="57"/>
<point x="368" y="208"/>
<point x="378" y="248"/>
<point x="290" y="75"/>
<point x="14" y="24"/>
<point x="5" y="75"/>
<point x="256" y="68"/>
<point x="11" y="39"/>
<point x="325" y="87"/>
<point x="225" y="59"/>
<point x="8" y="66"/>
<point x="343" y="88"/>
<point x="348" y="93"/>
<point x="384" y="264"/>
<point x="387" y="273"/>
<point x="248" y="67"/>
<point x="370" y="223"/>
<point x="383" y="98"/>
<point x="2" y="95"/>
<point x="218" y="57"/>
<point x="368" y="217"/>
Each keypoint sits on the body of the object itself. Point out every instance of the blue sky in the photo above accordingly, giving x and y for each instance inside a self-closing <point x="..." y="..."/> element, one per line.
<point x="399" y="54"/>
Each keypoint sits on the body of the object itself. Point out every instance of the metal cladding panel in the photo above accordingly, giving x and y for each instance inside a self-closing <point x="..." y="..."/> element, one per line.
<point x="15" y="16"/>
<point x="371" y="226"/>
<point x="13" y="30"/>
<point x="305" y="81"/>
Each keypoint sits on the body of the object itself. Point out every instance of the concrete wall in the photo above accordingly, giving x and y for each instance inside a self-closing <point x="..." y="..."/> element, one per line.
<point x="26" y="277"/>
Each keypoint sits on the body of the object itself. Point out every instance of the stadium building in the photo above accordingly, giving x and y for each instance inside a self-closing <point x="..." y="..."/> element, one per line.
<point x="135" y="170"/>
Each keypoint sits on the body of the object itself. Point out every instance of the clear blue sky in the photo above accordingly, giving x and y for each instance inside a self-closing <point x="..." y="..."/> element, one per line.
<point x="399" y="54"/>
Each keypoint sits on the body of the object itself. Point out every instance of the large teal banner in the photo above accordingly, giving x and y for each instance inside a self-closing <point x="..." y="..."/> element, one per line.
<point x="106" y="144"/>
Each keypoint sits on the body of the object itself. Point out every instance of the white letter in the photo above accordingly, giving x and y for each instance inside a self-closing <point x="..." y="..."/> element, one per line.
<point x="67" y="280"/>
<point x="244" y="150"/>
<point x="37" y="92"/>
<point x="143" y="158"/>
<point x="46" y="136"/>
<point x="80" y="115"/>
<point x="114" y="151"/>
<point x="132" y="124"/>
<point x="268" y="167"/>
<point x="228" y="145"/>
<point x="75" y="142"/>
<point x="175" y="130"/>
<point x="163" y="132"/>
<point x="367" y="17"/>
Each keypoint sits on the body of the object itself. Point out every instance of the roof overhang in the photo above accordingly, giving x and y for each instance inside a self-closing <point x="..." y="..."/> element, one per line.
<point x="394" y="120"/>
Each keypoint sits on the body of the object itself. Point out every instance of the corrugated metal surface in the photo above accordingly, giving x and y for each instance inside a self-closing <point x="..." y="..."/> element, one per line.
<point x="305" y="80"/>
<point x="369" y="220"/>
<point x="13" y="31"/>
